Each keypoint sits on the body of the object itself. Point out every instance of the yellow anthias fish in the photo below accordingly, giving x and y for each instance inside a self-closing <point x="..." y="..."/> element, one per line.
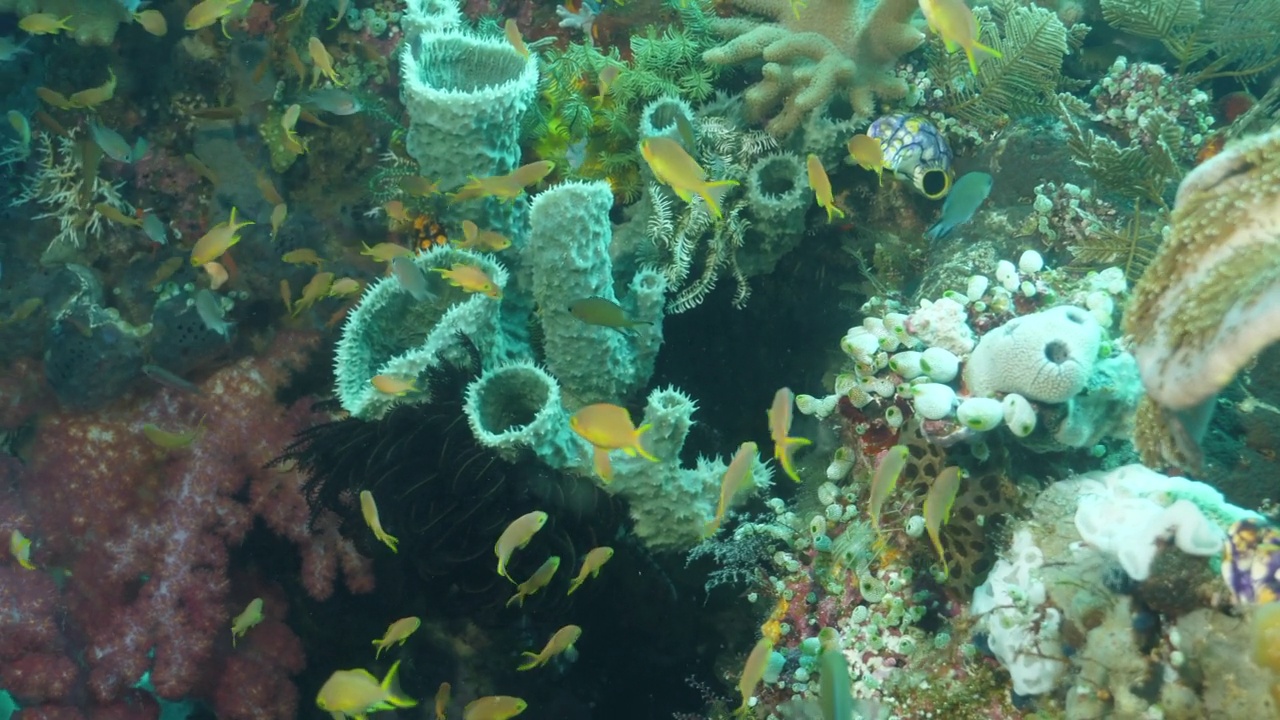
<point x="172" y="440"/>
<point x="397" y="632"/>
<point x="753" y="673"/>
<point x="884" y="481"/>
<point x="954" y="21"/>
<point x="536" y="581"/>
<point x="494" y="707"/>
<point x="208" y="12"/>
<point x="937" y="507"/>
<point x="736" y="478"/>
<point x="20" y="548"/>
<point x="516" y="536"/>
<point x="95" y="96"/>
<point x="44" y="24"/>
<point x="562" y="640"/>
<point x="394" y="384"/>
<point x="471" y="279"/>
<point x="114" y="215"/>
<point x="504" y="187"/>
<point x="418" y="186"/>
<point x="315" y="289"/>
<point x="385" y="251"/>
<point x="218" y="240"/>
<point x="442" y="699"/>
<point x="673" y="166"/>
<point x="608" y="427"/>
<point x="322" y="62"/>
<point x="54" y="98"/>
<point x="278" y="215"/>
<point x="243" y="622"/>
<point x="369" y="508"/>
<point x="152" y="21"/>
<point x="512" y="32"/>
<point x="289" y="121"/>
<point x="821" y="186"/>
<point x="345" y="287"/>
<point x="779" y="426"/>
<point x="608" y="75"/>
<point x="604" y="313"/>
<point x="591" y="565"/>
<point x="484" y="240"/>
<point x="303" y="256"/>
<point x="868" y="153"/>
<point x="356" y="693"/>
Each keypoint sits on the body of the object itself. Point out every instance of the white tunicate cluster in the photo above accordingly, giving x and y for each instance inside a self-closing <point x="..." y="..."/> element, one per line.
<point x="915" y="526"/>
<point x="1030" y="262"/>
<point x="940" y="364"/>
<point x="1102" y="306"/>
<point x="980" y="413"/>
<point x="828" y="493"/>
<point x="906" y="364"/>
<point x="835" y="513"/>
<point x="840" y="465"/>
<point x="1019" y="414"/>
<point x="933" y="401"/>
<point x="1007" y="275"/>
<point x="893" y="417"/>
<point x="817" y="407"/>
<point x="977" y="287"/>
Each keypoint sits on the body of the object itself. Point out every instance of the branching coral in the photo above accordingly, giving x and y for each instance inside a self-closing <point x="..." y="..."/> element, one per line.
<point x="67" y="192"/>
<point x="812" y="54"/>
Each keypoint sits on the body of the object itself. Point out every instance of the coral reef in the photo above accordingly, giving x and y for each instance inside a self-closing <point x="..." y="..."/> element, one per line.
<point x="142" y="536"/>
<point x="816" y="51"/>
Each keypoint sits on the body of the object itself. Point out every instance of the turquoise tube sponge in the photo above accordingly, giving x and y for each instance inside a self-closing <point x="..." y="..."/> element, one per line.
<point x="391" y="333"/>
<point x="515" y="408"/>
<point x="423" y="16"/>
<point x="568" y="258"/>
<point x="466" y="96"/>
<point x="660" y="117"/>
<point x="671" y="505"/>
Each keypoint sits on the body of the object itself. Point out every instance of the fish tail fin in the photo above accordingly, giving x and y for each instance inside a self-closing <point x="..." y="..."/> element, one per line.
<point x="639" y="446"/>
<point x="391" y="685"/>
<point x="833" y="212"/>
<point x="600" y="462"/>
<point x="783" y="451"/>
<point x="574" y="585"/>
<point x="987" y="49"/>
<point x="534" y="661"/>
<point x="939" y="230"/>
<point x="712" y="192"/>
<point x="518" y="599"/>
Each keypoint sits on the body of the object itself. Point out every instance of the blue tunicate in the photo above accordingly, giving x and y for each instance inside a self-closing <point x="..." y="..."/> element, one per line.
<point x="377" y="26"/>
<point x="773" y="668"/>
<point x="822" y="544"/>
<point x="810" y="645"/>
<point x="811" y="598"/>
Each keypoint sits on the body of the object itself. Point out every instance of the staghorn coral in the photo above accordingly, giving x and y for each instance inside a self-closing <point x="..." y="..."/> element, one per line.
<point x="814" y="53"/>
<point x="1209" y="300"/>
<point x="59" y="185"/>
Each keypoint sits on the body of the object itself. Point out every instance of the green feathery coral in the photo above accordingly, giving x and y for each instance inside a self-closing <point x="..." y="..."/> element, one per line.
<point x="1220" y="38"/>
<point x="1033" y="42"/>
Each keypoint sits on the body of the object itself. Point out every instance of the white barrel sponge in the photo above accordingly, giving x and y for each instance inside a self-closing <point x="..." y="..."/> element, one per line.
<point x="980" y="413"/>
<point x="1046" y="356"/>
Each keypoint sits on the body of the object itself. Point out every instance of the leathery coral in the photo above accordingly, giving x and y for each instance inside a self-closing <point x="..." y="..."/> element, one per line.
<point x="1210" y="299"/>
<point x="812" y="52"/>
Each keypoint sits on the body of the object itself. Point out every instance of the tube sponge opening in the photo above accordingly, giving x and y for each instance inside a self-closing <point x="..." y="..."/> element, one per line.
<point x="518" y="406"/>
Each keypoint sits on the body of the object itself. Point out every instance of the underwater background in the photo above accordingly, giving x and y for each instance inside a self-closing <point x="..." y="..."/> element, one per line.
<point x="657" y="359"/>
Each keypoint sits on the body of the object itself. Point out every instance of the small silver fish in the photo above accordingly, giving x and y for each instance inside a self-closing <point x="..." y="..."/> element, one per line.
<point x="155" y="229"/>
<point x="968" y="194"/>
<point x="168" y="379"/>
<point x="411" y="278"/>
<point x="333" y="100"/>
<point x="114" y="145"/>
<point x="9" y="50"/>
<point x="209" y="307"/>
